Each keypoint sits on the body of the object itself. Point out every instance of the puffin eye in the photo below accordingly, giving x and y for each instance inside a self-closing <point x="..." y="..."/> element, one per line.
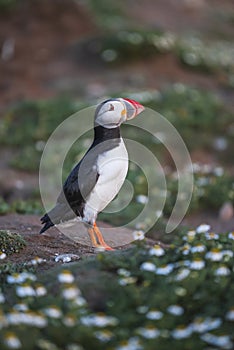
<point x="111" y="108"/>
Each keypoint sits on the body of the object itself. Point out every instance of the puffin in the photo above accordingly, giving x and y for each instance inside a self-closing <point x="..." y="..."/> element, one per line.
<point x="96" y="180"/>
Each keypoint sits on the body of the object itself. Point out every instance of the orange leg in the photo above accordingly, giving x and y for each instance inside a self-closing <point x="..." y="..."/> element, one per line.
<point x="92" y="237"/>
<point x="96" y="236"/>
<point x="100" y="237"/>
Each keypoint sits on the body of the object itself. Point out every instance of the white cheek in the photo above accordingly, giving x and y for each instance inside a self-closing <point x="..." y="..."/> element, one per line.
<point x="109" y="120"/>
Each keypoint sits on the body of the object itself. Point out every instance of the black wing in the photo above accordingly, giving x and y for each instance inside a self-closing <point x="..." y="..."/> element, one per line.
<point x="77" y="187"/>
<point x="81" y="180"/>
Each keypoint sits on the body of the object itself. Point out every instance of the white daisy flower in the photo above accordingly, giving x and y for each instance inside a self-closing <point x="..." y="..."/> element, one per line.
<point x="211" y="235"/>
<point x="65" y="277"/>
<point x="40" y="291"/>
<point x="203" y="228"/>
<point x="227" y="253"/>
<point x="53" y="312"/>
<point x="175" y="310"/>
<point x="182" y="274"/>
<point x="196" y="167"/>
<point x="16" y="318"/>
<point x="198" y="248"/>
<point x="138" y="235"/>
<point x="104" y="335"/>
<point x="70" y="292"/>
<point x="214" y="254"/>
<point x="25" y="291"/>
<point x="230" y="314"/>
<point x="142" y="199"/>
<point x="202" y="181"/>
<point x="28" y="318"/>
<point x="201" y="324"/>
<point x="218" y="171"/>
<point x="156" y="250"/>
<point x="14" y="278"/>
<point x="148" y="332"/>
<point x="197" y="264"/>
<point x="222" y="271"/>
<point x="99" y="320"/>
<point x="148" y="266"/>
<point x="20" y="307"/>
<point x="2" y="255"/>
<point x="69" y="321"/>
<point x="21" y="277"/>
<point x="79" y="301"/>
<point x="186" y="249"/>
<point x="189" y="236"/>
<point x="36" y="261"/>
<point x="182" y="332"/>
<point x="231" y="235"/>
<point x="154" y="315"/>
<point x="12" y="341"/>
<point x="164" y="269"/>
<point x="38" y="320"/>
<point x="222" y="341"/>
<point x="130" y="344"/>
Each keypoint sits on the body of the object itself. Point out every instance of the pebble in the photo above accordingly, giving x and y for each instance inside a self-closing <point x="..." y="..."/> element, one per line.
<point x="65" y="258"/>
<point x="226" y="212"/>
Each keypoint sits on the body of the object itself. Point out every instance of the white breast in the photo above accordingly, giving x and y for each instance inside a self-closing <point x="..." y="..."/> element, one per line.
<point x="112" y="167"/>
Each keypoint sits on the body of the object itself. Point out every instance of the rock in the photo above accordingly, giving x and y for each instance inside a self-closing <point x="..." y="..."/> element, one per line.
<point x="65" y="258"/>
<point x="226" y="212"/>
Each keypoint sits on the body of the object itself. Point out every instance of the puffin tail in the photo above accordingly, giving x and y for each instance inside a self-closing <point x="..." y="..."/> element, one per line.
<point x="47" y="223"/>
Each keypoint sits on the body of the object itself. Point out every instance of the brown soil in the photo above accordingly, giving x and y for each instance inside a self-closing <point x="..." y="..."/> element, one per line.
<point x="53" y="243"/>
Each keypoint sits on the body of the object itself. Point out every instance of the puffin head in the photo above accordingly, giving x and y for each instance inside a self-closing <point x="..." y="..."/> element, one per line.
<point x="115" y="111"/>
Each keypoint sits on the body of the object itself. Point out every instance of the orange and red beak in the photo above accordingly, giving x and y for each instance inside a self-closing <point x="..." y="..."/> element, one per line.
<point x="133" y="108"/>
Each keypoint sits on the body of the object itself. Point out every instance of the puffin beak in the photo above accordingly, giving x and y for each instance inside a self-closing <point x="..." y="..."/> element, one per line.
<point x="133" y="108"/>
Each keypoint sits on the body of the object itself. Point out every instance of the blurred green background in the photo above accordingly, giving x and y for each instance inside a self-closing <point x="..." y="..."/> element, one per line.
<point x="175" y="57"/>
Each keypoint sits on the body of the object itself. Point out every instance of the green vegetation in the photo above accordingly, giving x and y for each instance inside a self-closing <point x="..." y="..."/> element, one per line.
<point x="10" y="242"/>
<point x="6" y="5"/>
<point x="135" y="44"/>
<point x="31" y="206"/>
<point x="127" y="45"/>
<point x="29" y="125"/>
<point x="211" y="191"/>
<point x="108" y="14"/>
<point x="193" y="112"/>
<point x="207" y="56"/>
<point x="157" y="296"/>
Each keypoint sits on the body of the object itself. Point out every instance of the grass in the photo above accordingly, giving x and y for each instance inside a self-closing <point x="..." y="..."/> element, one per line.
<point x="107" y="14"/>
<point x="39" y="119"/>
<point x="192" y="112"/>
<point x="128" y="44"/>
<point x="20" y="206"/>
<point x="156" y="296"/>
<point x="6" y="5"/>
<point x="10" y="242"/>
